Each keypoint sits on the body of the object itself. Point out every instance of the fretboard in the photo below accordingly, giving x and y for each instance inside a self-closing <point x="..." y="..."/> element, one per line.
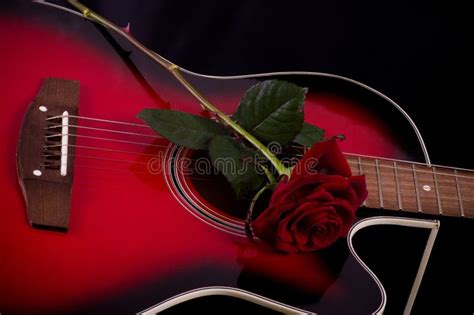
<point x="415" y="187"/>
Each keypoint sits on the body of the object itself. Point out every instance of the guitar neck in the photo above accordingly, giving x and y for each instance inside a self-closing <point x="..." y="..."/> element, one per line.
<point x="415" y="187"/>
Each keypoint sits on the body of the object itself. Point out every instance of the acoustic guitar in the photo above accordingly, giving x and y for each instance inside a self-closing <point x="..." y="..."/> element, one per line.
<point x="100" y="214"/>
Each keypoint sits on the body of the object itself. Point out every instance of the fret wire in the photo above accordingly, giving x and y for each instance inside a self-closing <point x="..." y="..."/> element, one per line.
<point x="438" y="196"/>
<point x="415" y="179"/>
<point x="360" y="173"/>
<point x="461" y="207"/>
<point x="397" y="185"/>
<point x="379" y="183"/>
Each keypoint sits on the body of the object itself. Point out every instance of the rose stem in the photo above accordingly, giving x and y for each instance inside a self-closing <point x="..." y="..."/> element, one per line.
<point x="248" y="219"/>
<point x="175" y="71"/>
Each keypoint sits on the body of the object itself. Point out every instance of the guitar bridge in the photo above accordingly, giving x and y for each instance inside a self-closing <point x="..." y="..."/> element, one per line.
<point x="45" y="154"/>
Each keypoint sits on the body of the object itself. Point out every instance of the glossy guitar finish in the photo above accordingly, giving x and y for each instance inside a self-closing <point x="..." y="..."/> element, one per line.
<point x="131" y="243"/>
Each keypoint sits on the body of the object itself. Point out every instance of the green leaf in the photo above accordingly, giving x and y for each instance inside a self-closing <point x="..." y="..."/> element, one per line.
<point x="309" y="135"/>
<point x="181" y="128"/>
<point x="236" y="162"/>
<point x="272" y="111"/>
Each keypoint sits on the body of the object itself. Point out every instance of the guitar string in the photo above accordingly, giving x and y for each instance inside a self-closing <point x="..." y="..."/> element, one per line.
<point x="401" y="185"/>
<point x="50" y="164"/>
<point x="97" y="149"/>
<point x="465" y="199"/>
<point x="100" y="120"/>
<point x="159" y="137"/>
<point x="104" y="139"/>
<point x="108" y="139"/>
<point x="292" y="155"/>
<point x="47" y="163"/>
<point x="125" y="169"/>
<point x="103" y="129"/>
<point x="148" y="127"/>
<point x="115" y="168"/>
<point x="113" y="130"/>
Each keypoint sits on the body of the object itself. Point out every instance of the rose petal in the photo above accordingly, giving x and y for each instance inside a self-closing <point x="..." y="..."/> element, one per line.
<point x="312" y="210"/>
<point x="285" y="191"/>
<point x="329" y="158"/>
<point x="283" y="230"/>
<point x="266" y="224"/>
<point x="359" y="185"/>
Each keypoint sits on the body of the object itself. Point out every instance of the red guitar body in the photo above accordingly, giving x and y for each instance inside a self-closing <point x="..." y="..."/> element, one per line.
<point x="138" y="235"/>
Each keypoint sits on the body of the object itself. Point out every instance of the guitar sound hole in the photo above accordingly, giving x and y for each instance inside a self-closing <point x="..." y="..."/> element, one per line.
<point x="217" y="191"/>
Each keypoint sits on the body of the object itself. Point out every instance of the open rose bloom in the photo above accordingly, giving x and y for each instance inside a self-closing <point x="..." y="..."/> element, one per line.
<point x="316" y="206"/>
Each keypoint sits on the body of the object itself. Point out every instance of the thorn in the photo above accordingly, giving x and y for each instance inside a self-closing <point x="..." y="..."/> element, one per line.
<point x="205" y="113"/>
<point x="127" y="28"/>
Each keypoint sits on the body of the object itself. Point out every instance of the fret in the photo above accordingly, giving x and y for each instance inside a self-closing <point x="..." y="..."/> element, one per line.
<point x="379" y="183"/>
<point x="448" y="192"/>
<point x="388" y="185"/>
<point x="356" y="168"/>
<point x="458" y="190"/>
<point x="466" y="184"/>
<point x="368" y="169"/>
<point x="354" y="165"/>
<point x="397" y="185"/>
<point x="426" y="189"/>
<point x="415" y="182"/>
<point x="438" y="197"/>
<point x="407" y="187"/>
<point x="359" y="163"/>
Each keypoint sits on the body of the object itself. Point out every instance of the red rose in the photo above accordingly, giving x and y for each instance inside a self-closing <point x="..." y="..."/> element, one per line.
<point x="316" y="206"/>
